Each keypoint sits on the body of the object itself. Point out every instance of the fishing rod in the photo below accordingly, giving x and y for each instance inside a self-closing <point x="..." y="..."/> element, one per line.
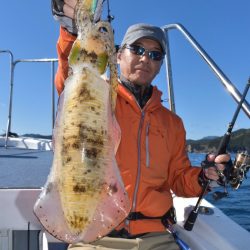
<point x="230" y="173"/>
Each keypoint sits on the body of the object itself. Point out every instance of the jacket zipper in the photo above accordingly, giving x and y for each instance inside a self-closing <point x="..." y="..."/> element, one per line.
<point x="147" y="145"/>
<point x="139" y="165"/>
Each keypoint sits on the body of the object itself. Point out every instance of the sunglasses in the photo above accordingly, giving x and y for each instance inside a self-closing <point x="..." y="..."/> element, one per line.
<point x="140" y="51"/>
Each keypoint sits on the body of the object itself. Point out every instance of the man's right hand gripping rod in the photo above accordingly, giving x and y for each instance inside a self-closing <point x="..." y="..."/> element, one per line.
<point x="221" y="150"/>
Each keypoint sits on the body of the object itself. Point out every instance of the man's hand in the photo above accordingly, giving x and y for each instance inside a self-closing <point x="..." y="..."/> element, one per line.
<point x="63" y="11"/>
<point x="215" y="172"/>
<point x="69" y="7"/>
<point x="213" y="169"/>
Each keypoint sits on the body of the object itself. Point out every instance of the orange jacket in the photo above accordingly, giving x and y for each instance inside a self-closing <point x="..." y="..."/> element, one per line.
<point x="151" y="156"/>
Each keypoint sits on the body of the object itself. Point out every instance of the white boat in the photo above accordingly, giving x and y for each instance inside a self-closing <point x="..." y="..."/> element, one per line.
<point x="20" y="229"/>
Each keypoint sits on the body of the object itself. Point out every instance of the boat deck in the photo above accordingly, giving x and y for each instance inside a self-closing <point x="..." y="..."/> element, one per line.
<point x="24" y="168"/>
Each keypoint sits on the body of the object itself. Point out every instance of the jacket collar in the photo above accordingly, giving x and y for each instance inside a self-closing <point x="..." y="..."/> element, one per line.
<point x="153" y="103"/>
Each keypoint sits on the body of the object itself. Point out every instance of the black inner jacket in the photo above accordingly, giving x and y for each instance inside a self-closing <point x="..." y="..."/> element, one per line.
<point x="142" y="93"/>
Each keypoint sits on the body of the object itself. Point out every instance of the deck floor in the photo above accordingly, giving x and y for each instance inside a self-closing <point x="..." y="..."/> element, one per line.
<point x="24" y="167"/>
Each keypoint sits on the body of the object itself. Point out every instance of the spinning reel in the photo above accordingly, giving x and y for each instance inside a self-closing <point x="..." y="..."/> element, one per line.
<point x="239" y="170"/>
<point x="233" y="175"/>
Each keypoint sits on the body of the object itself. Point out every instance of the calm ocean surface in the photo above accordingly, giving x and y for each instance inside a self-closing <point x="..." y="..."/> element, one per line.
<point x="30" y="169"/>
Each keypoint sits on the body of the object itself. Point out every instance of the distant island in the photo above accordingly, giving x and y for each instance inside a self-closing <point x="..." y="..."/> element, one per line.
<point x="240" y="141"/>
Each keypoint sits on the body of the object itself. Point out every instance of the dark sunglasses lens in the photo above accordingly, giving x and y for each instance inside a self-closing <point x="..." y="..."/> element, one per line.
<point x="156" y="55"/>
<point x="138" y="50"/>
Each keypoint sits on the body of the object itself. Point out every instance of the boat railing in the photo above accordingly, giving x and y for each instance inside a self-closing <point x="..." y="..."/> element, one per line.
<point x="234" y="92"/>
<point x="12" y="65"/>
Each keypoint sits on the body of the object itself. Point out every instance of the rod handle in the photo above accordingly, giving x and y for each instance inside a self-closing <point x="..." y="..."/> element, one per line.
<point x="191" y="220"/>
<point x="222" y="149"/>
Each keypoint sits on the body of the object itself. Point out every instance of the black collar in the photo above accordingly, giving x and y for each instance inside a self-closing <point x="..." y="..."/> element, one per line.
<point x="142" y="93"/>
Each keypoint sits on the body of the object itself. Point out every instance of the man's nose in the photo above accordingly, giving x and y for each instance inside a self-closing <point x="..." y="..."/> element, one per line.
<point x="145" y="56"/>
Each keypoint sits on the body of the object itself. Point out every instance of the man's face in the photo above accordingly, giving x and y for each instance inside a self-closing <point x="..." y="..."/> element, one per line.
<point x="140" y="70"/>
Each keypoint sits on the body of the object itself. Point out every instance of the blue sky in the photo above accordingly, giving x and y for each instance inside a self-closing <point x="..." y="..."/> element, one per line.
<point x="221" y="27"/>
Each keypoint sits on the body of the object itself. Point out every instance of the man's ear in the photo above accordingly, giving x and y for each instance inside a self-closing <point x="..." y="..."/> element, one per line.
<point x="118" y="57"/>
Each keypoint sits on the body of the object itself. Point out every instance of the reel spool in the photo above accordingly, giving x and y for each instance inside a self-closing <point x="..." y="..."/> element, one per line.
<point x="239" y="170"/>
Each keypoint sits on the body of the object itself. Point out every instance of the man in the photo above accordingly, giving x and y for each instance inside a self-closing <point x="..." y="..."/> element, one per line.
<point x="151" y="156"/>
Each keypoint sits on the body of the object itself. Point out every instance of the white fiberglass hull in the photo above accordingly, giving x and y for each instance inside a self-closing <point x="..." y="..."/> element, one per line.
<point x="210" y="232"/>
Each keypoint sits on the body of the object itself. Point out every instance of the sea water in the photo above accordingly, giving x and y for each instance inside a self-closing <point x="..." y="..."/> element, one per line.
<point x="27" y="168"/>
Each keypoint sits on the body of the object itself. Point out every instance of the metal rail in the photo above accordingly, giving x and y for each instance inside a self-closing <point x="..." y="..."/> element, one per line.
<point x="13" y="63"/>
<point x="11" y="92"/>
<point x="234" y="92"/>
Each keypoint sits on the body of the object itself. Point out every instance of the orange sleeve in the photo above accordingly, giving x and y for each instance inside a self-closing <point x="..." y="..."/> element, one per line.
<point x="64" y="44"/>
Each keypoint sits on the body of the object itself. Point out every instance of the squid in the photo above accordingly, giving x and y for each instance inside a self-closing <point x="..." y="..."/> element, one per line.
<point x="84" y="197"/>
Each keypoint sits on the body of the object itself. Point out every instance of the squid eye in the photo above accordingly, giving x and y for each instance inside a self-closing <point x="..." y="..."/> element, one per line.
<point x="103" y="30"/>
